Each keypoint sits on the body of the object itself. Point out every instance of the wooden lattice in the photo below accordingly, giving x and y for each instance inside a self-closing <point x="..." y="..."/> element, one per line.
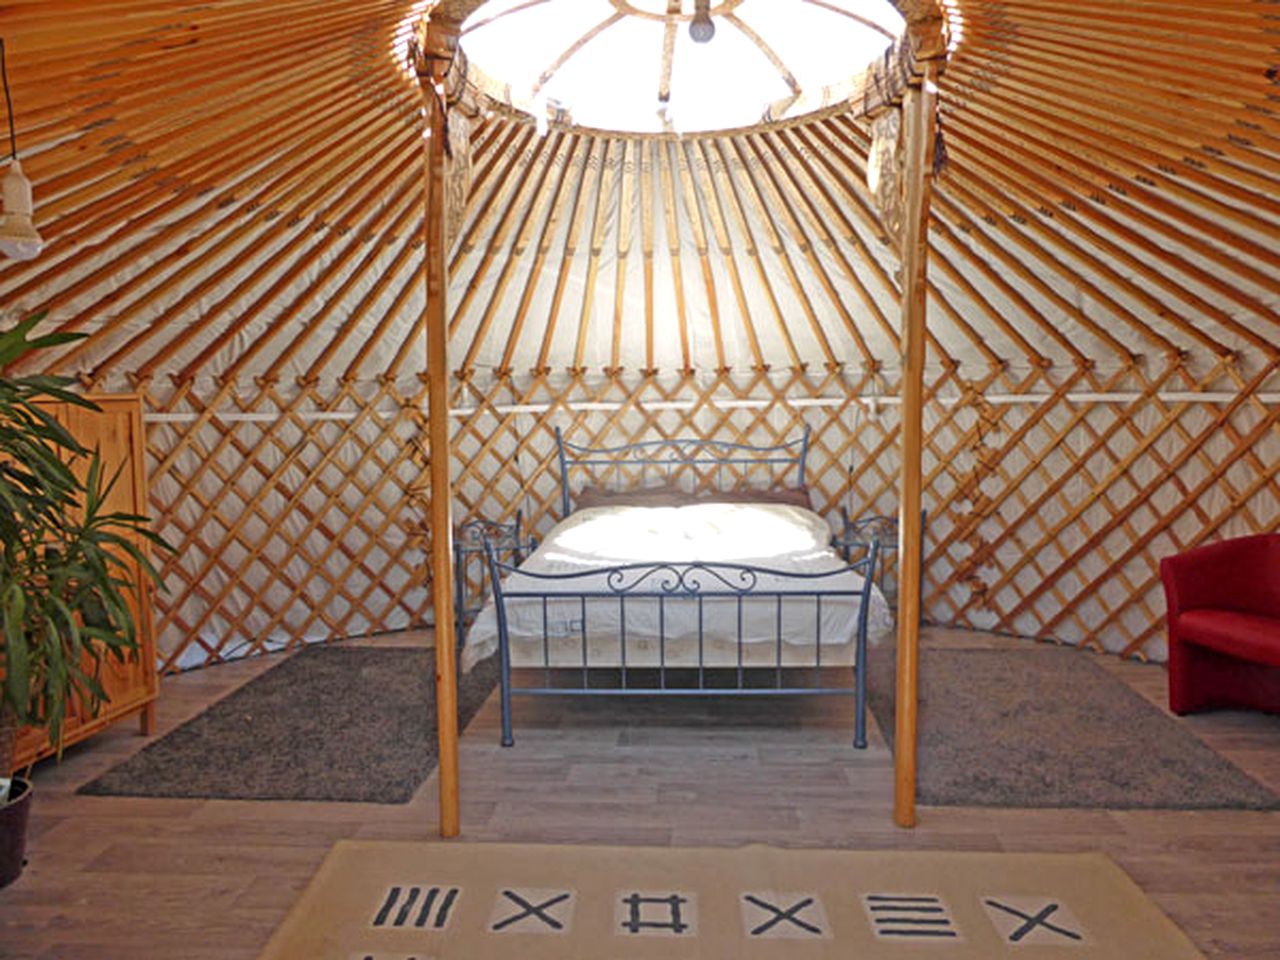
<point x="300" y="513"/>
<point x="291" y="513"/>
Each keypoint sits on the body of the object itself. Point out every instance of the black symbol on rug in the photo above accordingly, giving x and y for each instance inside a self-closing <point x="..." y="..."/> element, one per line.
<point x="531" y="911"/>
<point x="909" y="916"/>
<point x="638" y="919"/>
<point x="1034" y="922"/>
<point x="780" y="915"/>
<point x="419" y="907"/>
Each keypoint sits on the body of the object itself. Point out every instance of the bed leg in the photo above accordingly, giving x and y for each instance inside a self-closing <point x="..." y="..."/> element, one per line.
<point x="859" y="707"/>
<point x="505" y="694"/>
<point x="504" y="642"/>
<point x="508" y="740"/>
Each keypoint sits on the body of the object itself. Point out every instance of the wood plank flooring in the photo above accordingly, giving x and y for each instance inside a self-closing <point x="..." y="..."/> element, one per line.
<point x="209" y="880"/>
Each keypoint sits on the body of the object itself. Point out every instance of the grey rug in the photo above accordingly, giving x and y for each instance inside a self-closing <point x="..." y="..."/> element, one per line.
<point x="329" y="723"/>
<point x="1046" y="727"/>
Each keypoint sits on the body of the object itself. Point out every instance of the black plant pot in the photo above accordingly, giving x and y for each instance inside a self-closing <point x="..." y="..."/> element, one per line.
<point x="13" y="831"/>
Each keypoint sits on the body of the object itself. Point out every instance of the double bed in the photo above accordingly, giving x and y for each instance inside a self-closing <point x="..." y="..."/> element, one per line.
<point x="689" y="567"/>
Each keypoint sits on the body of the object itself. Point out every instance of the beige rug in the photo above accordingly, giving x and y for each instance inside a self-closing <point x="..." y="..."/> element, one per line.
<point x="465" y="901"/>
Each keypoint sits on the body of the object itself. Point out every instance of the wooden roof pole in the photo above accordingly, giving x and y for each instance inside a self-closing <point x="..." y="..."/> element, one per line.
<point x="919" y="126"/>
<point x="435" y="55"/>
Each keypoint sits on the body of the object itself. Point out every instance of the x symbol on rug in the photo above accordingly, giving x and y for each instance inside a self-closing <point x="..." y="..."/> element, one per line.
<point x="779" y="915"/>
<point x="1034" y="920"/>
<point x="528" y="909"/>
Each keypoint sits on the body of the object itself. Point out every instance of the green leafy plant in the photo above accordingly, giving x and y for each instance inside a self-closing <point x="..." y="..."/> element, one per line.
<point x="65" y="560"/>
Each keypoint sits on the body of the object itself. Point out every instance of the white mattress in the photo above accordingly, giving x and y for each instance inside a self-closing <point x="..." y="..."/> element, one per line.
<point x="775" y="536"/>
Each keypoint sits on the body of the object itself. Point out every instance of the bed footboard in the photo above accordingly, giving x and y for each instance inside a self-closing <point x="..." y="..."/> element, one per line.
<point x="681" y="629"/>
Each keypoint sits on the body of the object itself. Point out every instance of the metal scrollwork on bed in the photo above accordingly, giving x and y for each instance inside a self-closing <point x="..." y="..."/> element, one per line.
<point x="681" y="628"/>
<point x="671" y="578"/>
<point x="717" y="460"/>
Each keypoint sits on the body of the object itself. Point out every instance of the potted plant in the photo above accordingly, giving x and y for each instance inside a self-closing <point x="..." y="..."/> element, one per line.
<point x="65" y="568"/>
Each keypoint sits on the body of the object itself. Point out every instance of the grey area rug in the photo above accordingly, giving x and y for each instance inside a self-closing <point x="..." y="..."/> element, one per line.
<point x="1045" y="727"/>
<point x="329" y="723"/>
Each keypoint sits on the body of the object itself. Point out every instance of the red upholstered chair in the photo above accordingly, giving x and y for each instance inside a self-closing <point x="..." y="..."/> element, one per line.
<point x="1224" y="625"/>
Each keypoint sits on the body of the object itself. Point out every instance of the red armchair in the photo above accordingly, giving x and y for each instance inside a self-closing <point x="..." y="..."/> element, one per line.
<point x="1224" y="625"/>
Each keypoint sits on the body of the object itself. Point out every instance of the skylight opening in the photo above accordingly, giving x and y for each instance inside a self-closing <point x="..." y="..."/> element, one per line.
<point x="638" y="65"/>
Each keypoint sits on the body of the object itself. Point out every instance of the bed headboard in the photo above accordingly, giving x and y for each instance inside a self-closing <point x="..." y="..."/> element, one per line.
<point x="674" y="455"/>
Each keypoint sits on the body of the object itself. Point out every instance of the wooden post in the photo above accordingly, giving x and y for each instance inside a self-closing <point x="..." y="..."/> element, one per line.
<point x="918" y="126"/>
<point x="436" y="53"/>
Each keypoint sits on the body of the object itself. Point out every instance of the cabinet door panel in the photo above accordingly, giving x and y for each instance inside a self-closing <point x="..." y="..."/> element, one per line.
<point x="116" y="431"/>
<point x="111" y="431"/>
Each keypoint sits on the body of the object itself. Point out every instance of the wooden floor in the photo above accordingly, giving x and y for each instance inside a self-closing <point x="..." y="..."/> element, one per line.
<point x="135" y="878"/>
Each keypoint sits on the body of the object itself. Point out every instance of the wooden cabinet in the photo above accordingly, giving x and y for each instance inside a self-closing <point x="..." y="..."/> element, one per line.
<point x="132" y="687"/>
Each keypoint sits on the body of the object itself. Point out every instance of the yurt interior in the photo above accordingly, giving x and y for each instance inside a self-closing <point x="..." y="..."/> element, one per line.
<point x="623" y="479"/>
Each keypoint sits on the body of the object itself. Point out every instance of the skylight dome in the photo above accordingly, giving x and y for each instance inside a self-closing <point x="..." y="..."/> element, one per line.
<point x="634" y="65"/>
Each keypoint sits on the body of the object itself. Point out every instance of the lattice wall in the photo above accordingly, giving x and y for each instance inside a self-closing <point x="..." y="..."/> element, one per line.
<point x="298" y="513"/>
<point x="292" y="515"/>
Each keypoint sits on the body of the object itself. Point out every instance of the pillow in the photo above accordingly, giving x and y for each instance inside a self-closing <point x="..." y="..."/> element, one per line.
<point x="664" y="496"/>
<point x="673" y="496"/>
<point x="787" y="496"/>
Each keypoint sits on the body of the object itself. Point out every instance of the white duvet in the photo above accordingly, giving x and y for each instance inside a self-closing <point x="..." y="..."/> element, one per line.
<point x="775" y="536"/>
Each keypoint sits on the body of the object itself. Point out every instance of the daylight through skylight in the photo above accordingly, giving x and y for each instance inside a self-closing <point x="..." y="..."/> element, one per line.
<point x="634" y="65"/>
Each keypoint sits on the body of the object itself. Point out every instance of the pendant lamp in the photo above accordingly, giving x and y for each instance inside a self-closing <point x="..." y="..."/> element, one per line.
<point x="19" y="238"/>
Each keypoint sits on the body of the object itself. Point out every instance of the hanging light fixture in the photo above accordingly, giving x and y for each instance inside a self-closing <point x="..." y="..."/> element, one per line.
<point x="701" y="28"/>
<point x="18" y="236"/>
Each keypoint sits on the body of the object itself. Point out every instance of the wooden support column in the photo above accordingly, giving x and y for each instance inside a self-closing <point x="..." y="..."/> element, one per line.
<point x="435" y="56"/>
<point x="919" y="125"/>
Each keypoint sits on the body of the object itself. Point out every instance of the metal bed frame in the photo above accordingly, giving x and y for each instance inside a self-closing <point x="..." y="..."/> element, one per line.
<point x="675" y="456"/>
<point x="691" y="585"/>
<point x="856" y="537"/>
<point x="469" y="541"/>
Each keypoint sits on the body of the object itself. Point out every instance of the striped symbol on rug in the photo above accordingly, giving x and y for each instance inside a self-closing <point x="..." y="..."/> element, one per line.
<point x="421" y="907"/>
<point x="909" y="916"/>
